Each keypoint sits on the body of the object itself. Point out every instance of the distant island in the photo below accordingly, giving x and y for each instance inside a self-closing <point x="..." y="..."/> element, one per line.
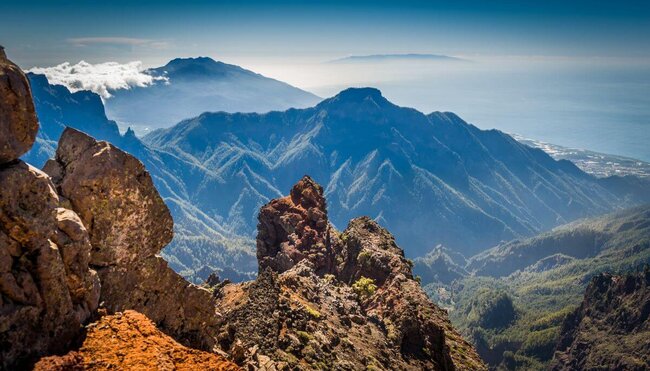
<point x="396" y="57"/>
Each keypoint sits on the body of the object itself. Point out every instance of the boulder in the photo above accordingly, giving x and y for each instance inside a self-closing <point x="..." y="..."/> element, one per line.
<point x="18" y="122"/>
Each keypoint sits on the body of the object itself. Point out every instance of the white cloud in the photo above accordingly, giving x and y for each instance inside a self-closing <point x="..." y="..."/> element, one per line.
<point x="99" y="78"/>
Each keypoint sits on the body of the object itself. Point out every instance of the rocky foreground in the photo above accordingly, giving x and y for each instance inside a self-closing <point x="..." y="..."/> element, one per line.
<point x="82" y="285"/>
<point x="130" y="341"/>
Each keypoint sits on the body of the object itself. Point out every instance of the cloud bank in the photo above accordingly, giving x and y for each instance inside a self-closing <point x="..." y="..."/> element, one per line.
<point x="100" y="78"/>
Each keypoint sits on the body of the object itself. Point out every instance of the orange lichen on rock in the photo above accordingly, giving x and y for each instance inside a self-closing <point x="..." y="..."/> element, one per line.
<point x="130" y="341"/>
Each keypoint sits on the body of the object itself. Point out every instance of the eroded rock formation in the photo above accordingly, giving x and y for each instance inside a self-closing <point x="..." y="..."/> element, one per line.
<point x="130" y="341"/>
<point x="325" y="299"/>
<point x="294" y="228"/>
<point x="128" y="224"/>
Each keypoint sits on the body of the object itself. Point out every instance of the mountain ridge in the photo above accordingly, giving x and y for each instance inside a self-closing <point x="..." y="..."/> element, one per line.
<point x="374" y="158"/>
<point x="360" y="131"/>
<point x="187" y="87"/>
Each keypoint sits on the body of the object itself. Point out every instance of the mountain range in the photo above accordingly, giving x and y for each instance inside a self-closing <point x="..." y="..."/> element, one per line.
<point x="187" y="87"/>
<point x="515" y="301"/>
<point x="431" y="178"/>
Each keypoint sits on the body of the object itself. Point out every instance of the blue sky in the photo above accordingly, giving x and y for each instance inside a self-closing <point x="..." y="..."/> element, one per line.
<point x="50" y="32"/>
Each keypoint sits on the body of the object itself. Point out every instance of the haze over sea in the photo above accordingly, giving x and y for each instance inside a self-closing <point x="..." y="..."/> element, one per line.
<point x="598" y="104"/>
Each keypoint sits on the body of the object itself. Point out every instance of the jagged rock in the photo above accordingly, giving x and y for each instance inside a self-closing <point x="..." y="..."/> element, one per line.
<point x="304" y="311"/>
<point x="46" y="288"/>
<point x="18" y="123"/>
<point x="130" y="341"/>
<point x="294" y="228"/>
<point x="129" y="224"/>
<point x="611" y="328"/>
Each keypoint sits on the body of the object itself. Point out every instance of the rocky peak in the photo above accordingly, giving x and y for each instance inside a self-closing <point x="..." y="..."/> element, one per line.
<point x="295" y="228"/>
<point x="357" y="95"/>
<point x="348" y="301"/>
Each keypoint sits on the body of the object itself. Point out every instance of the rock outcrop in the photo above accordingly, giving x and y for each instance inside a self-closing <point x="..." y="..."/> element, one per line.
<point x="130" y="341"/>
<point x="47" y="290"/>
<point x="294" y="228"/>
<point x="128" y="224"/>
<point x="331" y="300"/>
<point x="611" y="328"/>
<point x="18" y="124"/>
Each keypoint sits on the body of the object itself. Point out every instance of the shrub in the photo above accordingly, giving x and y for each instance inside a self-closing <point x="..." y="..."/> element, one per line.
<point x="364" y="287"/>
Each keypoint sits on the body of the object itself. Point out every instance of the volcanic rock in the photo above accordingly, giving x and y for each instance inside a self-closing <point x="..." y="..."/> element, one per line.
<point x="325" y="299"/>
<point x="130" y="341"/>
<point x="294" y="228"/>
<point x="18" y="122"/>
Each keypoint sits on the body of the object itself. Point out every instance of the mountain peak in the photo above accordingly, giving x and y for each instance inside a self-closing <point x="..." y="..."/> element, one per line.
<point x="359" y="97"/>
<point x="191" y="60"/>
<point x="198" y="67"/>
<point x="360" y="94"/>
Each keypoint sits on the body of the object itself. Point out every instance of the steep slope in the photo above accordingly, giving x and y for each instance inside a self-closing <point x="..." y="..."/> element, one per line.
<point x="330" y="300"/>
<point x="186" y="87"/>
<point x="391" y="163"/>
<point x="130" y="341"/>
<point x="543" y="278"/>
<point x="611" y="328"/>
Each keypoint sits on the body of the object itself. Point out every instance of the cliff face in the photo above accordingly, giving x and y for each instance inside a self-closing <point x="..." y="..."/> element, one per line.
<point x="611" y="328"/>
<point x="335" y="300"/>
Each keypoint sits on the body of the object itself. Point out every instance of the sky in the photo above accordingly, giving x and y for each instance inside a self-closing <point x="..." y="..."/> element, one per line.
<point x="573" y="73"/>
<point x="47" y="32"/>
